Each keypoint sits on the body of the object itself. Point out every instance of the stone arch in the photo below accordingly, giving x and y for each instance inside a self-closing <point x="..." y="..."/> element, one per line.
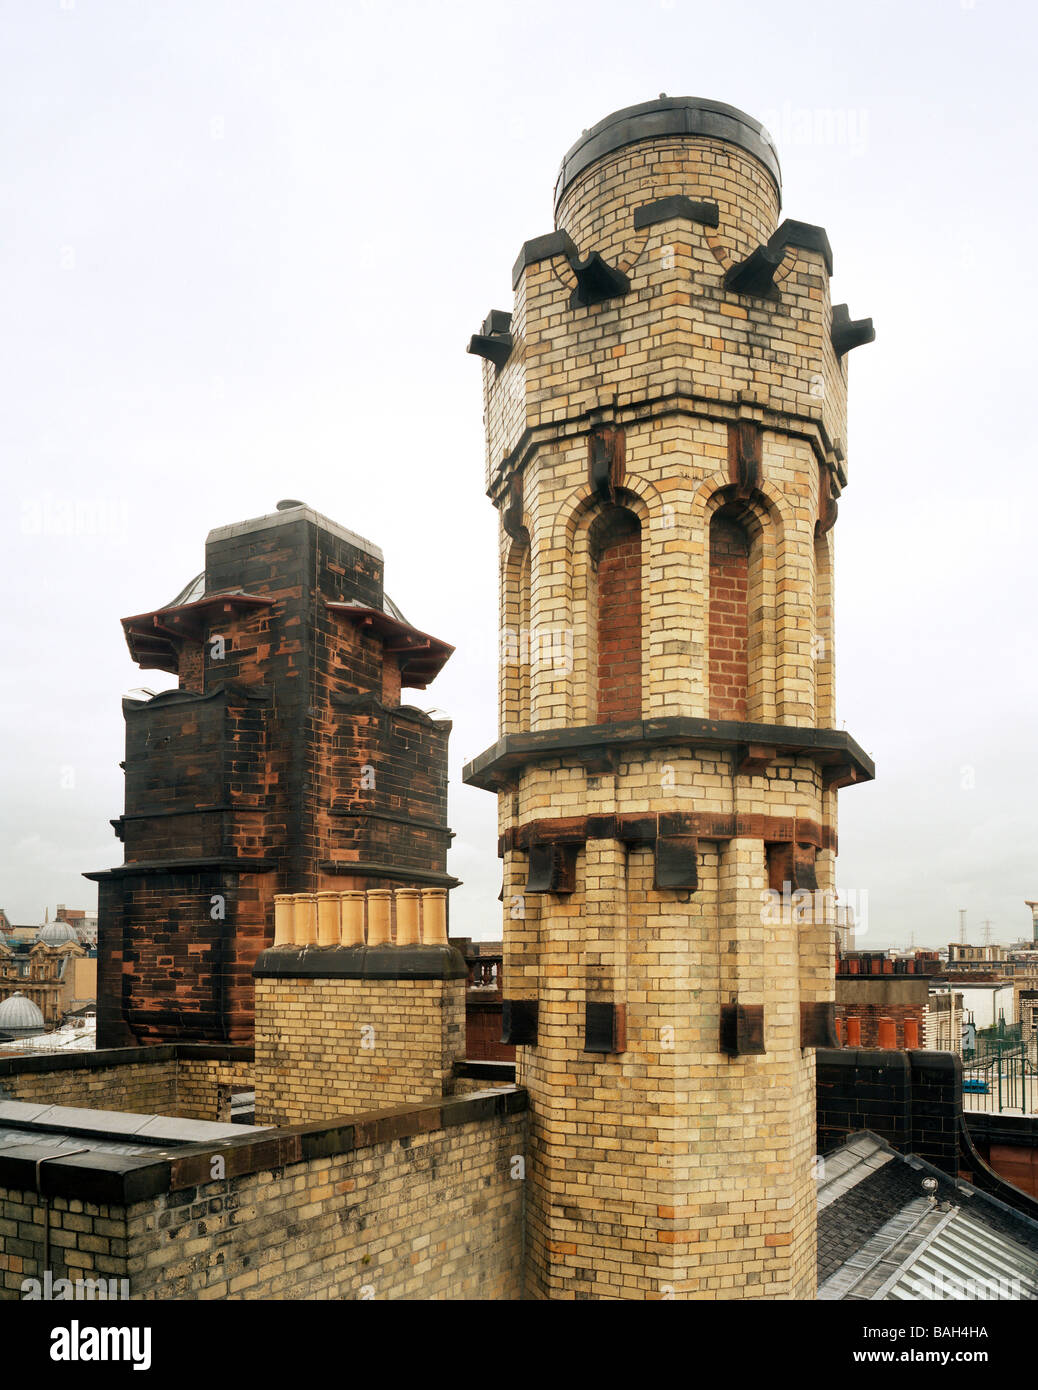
<point x="579" y="523"/>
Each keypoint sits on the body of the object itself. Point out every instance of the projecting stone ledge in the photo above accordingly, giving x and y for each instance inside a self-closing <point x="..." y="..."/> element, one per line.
<point x="362" y="963"/>
<point x="841" y="756"/>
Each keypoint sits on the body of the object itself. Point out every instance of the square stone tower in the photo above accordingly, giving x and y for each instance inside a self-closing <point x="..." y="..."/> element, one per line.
<point x="283" y="762"/>
<point x="666" y="441"/>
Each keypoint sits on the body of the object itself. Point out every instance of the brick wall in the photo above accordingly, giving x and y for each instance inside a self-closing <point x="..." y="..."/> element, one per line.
<point x="721" y="406"/>
<point x="870" y="1015"/>
<point x="284" y="759"/>
<point x="204" y="1087"/>
<point x="147" y="1088"/>
<point x="194" y="1083"/>
<point x="870" y="998"/>
<point x="483" y="1031"/>
<point x="728" y="634"/>
<point x="619" y="550"/>
<point x="327" y="1047"/>
<point x="1009" y="1144"/>
<point x="421" y="1203"/>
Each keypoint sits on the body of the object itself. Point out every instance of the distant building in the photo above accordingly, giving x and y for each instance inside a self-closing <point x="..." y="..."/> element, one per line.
<point x="19" y="1017"/>
<point x="989" y="1002"/>
<point x="970" y="959"/>
<point x="55" y="972"/>
<point x="85" y="923"/>
<point x="943" y="1022"/>
<point x="883" y="1001"/>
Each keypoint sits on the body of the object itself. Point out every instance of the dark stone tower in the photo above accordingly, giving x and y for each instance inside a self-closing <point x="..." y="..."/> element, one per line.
<point x="284" y="762"/>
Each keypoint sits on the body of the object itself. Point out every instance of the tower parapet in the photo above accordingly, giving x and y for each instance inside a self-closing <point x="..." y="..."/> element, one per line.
<point x="666" y="436"/>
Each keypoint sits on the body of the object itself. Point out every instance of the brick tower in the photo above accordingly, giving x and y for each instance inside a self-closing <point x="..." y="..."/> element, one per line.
<point x="284" y="762"/>
<point x="666" y="440"/>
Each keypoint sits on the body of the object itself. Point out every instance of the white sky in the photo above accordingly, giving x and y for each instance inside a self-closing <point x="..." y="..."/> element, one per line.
<point x="244" y="245"/>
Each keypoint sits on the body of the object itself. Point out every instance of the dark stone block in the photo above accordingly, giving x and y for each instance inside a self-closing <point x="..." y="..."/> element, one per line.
<point x="676" y="206"/>
<point x="519" y="1022"/>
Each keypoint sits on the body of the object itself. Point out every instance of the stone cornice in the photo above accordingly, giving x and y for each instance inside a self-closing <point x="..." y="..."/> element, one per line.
<point x="831" y="748"/>
<point x="660" y="405"/>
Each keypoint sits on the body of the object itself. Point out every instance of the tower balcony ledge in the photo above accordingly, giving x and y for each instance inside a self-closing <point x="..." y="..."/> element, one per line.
<point x="842" y="759"/>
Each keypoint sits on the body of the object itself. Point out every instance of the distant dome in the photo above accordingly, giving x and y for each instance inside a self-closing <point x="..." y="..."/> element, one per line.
<point x="18" y="1013"/>
<point x="57" y="934"/>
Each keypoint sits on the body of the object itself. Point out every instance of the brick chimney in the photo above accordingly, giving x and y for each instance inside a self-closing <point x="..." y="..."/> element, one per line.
<point x="375" y="1019"/>
<point x="283" y="762"/>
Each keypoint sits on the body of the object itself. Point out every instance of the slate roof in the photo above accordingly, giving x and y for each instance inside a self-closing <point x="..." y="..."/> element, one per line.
<point x="881" y="1237"/>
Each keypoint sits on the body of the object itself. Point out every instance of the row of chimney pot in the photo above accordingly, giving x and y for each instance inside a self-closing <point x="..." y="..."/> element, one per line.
<point x="355" y="918"/>
<point x="886" y="1033"/>
<point x="877" y="965"/>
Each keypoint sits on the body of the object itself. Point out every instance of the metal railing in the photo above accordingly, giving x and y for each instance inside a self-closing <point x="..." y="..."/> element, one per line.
<point x="1001" y="1079"/>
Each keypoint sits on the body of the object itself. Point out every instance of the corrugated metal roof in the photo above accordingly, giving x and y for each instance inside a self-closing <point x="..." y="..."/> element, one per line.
<point x="915" y="1243"/>
<point x="966" y="1261"/>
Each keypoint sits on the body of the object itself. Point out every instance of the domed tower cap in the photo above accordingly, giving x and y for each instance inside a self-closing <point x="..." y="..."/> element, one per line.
<point x="669" y="116"/>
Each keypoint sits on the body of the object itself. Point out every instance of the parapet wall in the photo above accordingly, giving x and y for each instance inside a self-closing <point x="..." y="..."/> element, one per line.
<point x="328" y="1047"/>
<point x="190" y="1081"/>
<point x="417" y="1202"/>
<point x="351" y="1015"/>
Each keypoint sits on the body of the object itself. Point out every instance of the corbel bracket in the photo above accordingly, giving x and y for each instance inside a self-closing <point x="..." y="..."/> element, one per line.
<point x="677" y="862"/>
<point x="552" y="868"/>
<point x="745" y="453"/>
<point x="605" y="1027"/>
<point x="849" y="333"/>
<point x="606" y="454"/>
<point x="756" y="274"/>
<point x="742" y="1029"/>
<point x="597" y="281"/>
<point x="519" y="1022"/>
<point x="512" y="516"/>
<point x="818" y="1024"/>
<point x="494" y="340"/>
<point x="752" y="758"/>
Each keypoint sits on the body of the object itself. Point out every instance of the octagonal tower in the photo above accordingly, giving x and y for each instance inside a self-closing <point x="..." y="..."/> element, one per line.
<point x="666" y="441"/>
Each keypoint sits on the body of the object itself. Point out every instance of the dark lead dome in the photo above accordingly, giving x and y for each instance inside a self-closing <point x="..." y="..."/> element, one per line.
<point x="669" y="116"/>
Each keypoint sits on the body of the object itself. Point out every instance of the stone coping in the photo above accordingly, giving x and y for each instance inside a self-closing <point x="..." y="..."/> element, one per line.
<point x="289" y="517"/>
<point x="990" y="1128"/>
<point x="361" y="963"/>
<point x="516" y="751"/>
<point x="140" y="1127"/>
<point x="126" y="1056"/>
<point x="669" y="116"/>
<point x="117" y="1180"/>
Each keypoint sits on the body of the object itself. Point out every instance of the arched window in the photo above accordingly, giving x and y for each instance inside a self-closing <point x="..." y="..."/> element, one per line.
<point x="822" y="637"/>
<point x="615" y="543"/>
<point x="525" y="655"/>
<point x="728" y="626"/>
<point x="516" y="655"/>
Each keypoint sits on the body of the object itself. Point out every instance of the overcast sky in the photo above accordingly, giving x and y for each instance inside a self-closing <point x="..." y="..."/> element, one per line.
<point x="244" y="245"/>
